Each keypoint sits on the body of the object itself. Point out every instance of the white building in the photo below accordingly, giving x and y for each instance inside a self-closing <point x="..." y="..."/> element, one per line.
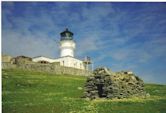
<point x="67" y="47"/>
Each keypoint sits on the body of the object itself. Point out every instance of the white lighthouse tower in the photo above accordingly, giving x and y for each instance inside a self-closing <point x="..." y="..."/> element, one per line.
<point x="67" y="44"/>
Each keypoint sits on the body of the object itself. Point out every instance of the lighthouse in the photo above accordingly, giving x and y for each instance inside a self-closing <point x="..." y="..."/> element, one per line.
<point x="67" y="44"/>
<point x="67" y="47"/>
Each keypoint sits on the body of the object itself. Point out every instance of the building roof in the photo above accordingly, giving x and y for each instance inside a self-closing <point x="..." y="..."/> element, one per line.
<point x="42" y="57"/>
<point x="23" y="57"/>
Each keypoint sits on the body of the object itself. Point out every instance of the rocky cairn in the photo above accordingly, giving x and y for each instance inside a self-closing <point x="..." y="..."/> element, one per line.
<point x="107" y="84"/>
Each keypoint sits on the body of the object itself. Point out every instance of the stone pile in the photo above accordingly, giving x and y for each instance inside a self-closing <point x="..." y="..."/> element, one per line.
<point x="106" y="84"/>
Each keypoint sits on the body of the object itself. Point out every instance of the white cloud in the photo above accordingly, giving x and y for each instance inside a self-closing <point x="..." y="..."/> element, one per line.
<point x="16" y="44"/>
<point x="87" y="44"/>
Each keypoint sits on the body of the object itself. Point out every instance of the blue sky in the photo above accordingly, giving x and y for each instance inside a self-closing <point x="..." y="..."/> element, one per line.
<point x="121" y="36"/>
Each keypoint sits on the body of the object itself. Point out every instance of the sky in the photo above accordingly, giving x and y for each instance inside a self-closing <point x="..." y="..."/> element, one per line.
<point x="120" y="36"/>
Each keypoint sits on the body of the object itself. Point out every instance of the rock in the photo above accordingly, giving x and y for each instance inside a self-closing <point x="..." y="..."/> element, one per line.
<point x="79" y="88"/>
<point x="147" y="95"/>
<point x="107" y="84"/>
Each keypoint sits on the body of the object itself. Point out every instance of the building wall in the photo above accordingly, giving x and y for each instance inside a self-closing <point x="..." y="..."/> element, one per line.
<point x="64" y="61"/>
<point x="67" y="48"/>
<point x="66" y="52"/>
<point x="21" y="60"/>
<point x="6" y="58"/>
<point x="71" y="62"/>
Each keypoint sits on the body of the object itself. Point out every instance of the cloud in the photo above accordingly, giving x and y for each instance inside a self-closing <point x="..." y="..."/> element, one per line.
<point x="18" y="44"/>
<point x="29" y="35"/>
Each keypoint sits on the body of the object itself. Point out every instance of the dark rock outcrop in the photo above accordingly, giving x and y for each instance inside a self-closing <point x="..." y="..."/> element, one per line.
<point x="106" y="84"/>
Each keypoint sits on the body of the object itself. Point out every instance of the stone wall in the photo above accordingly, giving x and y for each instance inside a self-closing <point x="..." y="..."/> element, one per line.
<point x="7" y="65"/>
<point x="50" y="68"/>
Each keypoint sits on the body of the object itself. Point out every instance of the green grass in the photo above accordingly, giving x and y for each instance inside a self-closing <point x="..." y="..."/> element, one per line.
<point x="36" y="92"/>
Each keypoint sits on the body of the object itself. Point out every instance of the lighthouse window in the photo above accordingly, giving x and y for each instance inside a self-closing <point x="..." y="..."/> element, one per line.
<point x="63" y="63"/>
<point x="67" y="34"/>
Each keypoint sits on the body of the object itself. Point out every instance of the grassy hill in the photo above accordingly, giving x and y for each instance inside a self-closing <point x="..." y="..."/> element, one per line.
<point x="35" y="92"/>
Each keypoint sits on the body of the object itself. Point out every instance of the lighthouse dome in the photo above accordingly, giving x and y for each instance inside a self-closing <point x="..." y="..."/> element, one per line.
<point x="66" y="35"/>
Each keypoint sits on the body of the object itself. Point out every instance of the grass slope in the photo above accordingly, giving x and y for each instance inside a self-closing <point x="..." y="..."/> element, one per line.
<point x="34" y="92"/>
